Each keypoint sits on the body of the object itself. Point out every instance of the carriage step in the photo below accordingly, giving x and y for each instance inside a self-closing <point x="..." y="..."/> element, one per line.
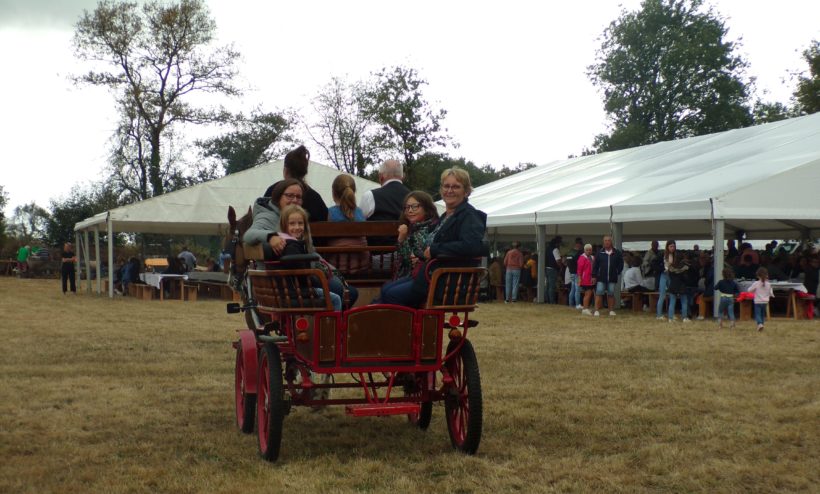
<point x="381" y="409"/>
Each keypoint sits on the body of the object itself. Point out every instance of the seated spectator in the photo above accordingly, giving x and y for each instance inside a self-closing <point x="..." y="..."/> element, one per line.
<point x="175" y="266"/>
<point x="633" y="280"/>
<point x="212" y="266"/>
<point x="188" y="258"/>
<point x="345" y="210"/>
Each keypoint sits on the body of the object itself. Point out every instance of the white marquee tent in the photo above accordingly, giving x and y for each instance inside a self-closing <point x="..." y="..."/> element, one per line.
<point x="201" y="209"/>
<point x="763" y="180"/>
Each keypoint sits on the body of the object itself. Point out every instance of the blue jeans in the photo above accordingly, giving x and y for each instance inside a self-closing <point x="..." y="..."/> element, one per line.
<point x="574" y="291"/>
<point x="337" y="288"/>
<point x="726" y="304"/>
<point x="760" y="313"/>
<point x="512" y="278"/>
<point x="397" y="291"/>
<point x="663" y="284"/>
<point x="602" y="288"/>
<point x="552" y="278"/>
<point x="334" y="299"/>
<point x="684" y="305"/>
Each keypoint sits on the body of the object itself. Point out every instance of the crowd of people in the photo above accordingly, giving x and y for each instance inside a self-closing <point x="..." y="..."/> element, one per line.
<point x="587" y="274"/>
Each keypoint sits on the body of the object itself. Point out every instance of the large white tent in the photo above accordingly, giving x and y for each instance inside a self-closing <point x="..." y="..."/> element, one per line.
<point x="762" y="180"/>
<point x="201" y="209"/>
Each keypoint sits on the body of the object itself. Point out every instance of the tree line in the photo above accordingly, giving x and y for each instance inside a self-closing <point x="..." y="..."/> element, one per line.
<point x="665" y="71"/>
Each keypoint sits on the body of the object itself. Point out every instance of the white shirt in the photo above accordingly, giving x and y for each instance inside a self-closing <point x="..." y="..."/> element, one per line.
<point x="368" y="203"/>
<point x="632" y="278"/>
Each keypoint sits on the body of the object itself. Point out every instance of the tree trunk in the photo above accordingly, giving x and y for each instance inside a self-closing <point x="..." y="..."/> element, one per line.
<point x="155" y="166"/>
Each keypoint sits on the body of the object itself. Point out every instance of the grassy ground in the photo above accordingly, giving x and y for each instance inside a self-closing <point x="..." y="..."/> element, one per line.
<point x="130" y="396"/>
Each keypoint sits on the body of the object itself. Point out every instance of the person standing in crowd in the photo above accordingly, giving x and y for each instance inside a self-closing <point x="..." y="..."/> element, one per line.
<point x="663" y="281"/>
<point x="296" y="167"/>
<point x="68" y="274"/>
<point x="649" y="261"/>
<point x="22" y="259"/>
<point x="609" y="263"/>
<point x="188" y="258"/>
<point x="678" y="273"/>
<point x="585" y="282"/>
<point x="762" y="291"/>
<point x="572" y="267"/>
<point x="513" y="262"/>
<point x="727" y="290"/>
<point x="529" y="276"/>
<point x="554" y="265"/>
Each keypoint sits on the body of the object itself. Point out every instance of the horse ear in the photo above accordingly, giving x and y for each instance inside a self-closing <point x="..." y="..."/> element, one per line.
<point x="250" y="212"/>
<point x="231" y="215"/>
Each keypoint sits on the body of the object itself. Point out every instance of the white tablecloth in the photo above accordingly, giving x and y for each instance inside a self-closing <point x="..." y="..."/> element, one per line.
<point x="776" y="285"/>
<point x="155" y="279"/>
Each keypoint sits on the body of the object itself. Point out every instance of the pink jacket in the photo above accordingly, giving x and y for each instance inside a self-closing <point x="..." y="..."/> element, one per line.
<point x="584" y="270"/>
<point x="762" y="291"/>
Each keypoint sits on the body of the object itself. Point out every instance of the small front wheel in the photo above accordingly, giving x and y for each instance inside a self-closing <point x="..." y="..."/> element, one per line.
<point x="245" y="402"/>
<point x="270" y="403"/>
<point x="462" y="402"/>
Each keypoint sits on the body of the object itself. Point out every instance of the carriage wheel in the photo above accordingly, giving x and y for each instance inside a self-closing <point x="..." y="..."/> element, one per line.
<point x="462" y="401"/>
<point x="421" y="419"/>
<point x="245" y="402"/>
<point x="270" y="406"/>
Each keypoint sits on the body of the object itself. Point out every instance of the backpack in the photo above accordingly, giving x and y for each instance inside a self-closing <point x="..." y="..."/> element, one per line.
<point x="656" y="267"/>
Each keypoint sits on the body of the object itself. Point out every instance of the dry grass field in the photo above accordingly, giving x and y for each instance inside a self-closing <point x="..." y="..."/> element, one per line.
<point x="129" y="396"/>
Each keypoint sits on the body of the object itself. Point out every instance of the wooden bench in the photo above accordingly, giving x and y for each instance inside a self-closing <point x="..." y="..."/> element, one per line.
<point x="653" y="300"/>
<point x="635" y="299"/>
<point x="704" y="304"/>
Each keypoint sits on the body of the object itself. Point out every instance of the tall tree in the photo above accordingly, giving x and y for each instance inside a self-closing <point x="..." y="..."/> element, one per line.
<point x="408" y="122"/>
<point x="29" y="222"/>
<point x="254" y="140"/>
<point x="808" y="87"/>
<point x="667" y="71"/>
<point x="153" y="58"/>
<point x="429" y="167"/>
<point x="4" y="199"/>
<point x="81" y="203"/>
<point x="345" y="126"/>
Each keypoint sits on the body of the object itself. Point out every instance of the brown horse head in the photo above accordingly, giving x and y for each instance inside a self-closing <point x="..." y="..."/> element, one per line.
<point x="233" y="239"/>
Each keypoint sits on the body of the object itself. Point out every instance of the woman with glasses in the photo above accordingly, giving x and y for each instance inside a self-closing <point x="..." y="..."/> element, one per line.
<point x="418" y="220"/>
<point x="459" y="234"/>
<point x="265" y="227"/>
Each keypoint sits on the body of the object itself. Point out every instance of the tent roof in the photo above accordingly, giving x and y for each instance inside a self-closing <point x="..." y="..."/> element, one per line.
<point x="762" y="179"/>
<point x="202" y="209"/>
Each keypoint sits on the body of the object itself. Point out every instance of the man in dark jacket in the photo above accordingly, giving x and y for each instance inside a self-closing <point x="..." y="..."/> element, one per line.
<point x="609" y="263"/>
<point x="386" y="202"/>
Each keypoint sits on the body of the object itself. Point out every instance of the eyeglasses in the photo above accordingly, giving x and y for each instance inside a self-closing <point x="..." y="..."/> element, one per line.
<point x="412" y="207"/>
<point x="294" y="197"/>
<point x="451" y="187"/>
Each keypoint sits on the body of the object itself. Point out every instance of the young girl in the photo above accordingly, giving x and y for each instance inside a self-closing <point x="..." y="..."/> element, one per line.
<point x="762" y="290"/>
<point x="584" y="272"/>
<point x="727" y="291"/>
<point x="295" y="231"/>
<point x="344" y="195"/>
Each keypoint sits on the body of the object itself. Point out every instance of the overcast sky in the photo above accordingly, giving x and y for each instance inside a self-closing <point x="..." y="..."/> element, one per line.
<point x="512" y="75"/>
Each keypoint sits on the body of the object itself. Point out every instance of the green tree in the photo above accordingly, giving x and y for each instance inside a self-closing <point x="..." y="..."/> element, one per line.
<point x="29" y="222"/>
<point x="81" y="203"/>
<point x="345" y="127"/>
<point x="253" y="141"/>
<point x="430" y="166"/>
<point x="154" y="58"/>
<point x="407" y="121"/>
<point x="4" y="200"/>
<point x="667" y="71"/>
<point x="808" y="87"/>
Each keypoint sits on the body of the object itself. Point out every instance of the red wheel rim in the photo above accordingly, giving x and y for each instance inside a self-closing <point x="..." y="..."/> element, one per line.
<point x="263" y="403"/>
<point x="457" y="416"/>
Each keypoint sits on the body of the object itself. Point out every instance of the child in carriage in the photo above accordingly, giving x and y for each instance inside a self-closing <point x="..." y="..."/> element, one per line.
<point x="295" y="231"/>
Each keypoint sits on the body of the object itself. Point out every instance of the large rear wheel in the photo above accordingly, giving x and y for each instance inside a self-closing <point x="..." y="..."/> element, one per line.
<point x="245" y="402"/>
<point x="270" y="405"/>
<point x="462" y="402"/>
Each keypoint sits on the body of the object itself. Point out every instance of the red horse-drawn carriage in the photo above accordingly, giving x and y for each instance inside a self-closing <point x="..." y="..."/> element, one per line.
<point x="401" y="359"/>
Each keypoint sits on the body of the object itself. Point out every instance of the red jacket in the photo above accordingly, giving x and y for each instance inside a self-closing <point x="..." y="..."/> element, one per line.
<point x="584" y="270"/>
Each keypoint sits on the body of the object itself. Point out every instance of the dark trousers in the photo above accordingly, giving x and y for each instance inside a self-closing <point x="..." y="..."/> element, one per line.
<point x="69" y="275"/>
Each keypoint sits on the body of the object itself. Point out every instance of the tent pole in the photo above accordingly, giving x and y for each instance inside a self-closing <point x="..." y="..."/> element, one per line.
<point x="718" y="228"/>
<point x="87" y="262"/>
<point x="97" y="257"/>
<point x="617" y="242"/>
<point x="78" y="266"/>
<point x="541" y="239"/>
<point x="111" y="267"/>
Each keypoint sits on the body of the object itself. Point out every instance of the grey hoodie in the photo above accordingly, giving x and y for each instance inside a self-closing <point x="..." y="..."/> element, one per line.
<point x="265" y="221"/>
